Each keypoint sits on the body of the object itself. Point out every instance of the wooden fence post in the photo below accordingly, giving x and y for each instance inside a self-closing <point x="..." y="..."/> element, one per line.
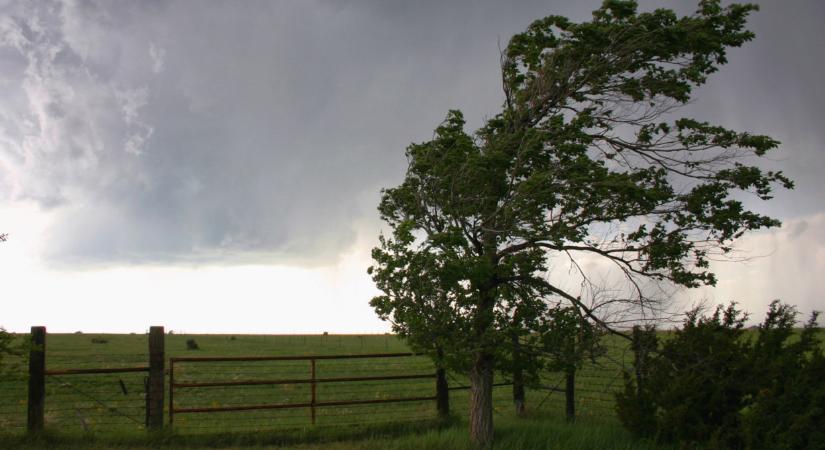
<point x="313" y="399"/>
<point x="570" y="394"/>
<point x="154" y="391"/>
<point x="37" y="379"/>
<point x="442" y="393"/>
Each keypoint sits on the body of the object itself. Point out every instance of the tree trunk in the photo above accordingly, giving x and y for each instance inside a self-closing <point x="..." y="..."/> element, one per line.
<point x="518" y="391"/>
<point x="481" y="401"/>
<point x="570" y="394"/>
<point x="481" y="373"/>
<point x="442" y="393"/>
<point x="442" y="390"/>
<point x="518" y="378"/>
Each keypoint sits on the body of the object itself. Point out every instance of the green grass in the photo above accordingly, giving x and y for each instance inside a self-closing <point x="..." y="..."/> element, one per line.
<point x="108" y="410"/>
<point x="533" y="432"/>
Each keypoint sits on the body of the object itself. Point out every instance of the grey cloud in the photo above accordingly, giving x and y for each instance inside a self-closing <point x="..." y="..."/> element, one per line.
<point x="261" y="131"/>
<point x="772" y="85"/>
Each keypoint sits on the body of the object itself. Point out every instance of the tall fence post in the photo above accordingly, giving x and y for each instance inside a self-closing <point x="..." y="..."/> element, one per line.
<point x="154" y="391"/>
<point x="570" y="394"/>
<point x="442" y="393"/>
<point x="313" y="398"/>
<point x="37" y="379"/>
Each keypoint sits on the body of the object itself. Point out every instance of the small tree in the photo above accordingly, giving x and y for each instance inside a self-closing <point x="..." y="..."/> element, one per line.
<point x="8" y="346"/>
<point x="636" y="406"/>
<point x="11" y="349"/>
<point x="569" y="339"/>
<point x="586" y="158"/>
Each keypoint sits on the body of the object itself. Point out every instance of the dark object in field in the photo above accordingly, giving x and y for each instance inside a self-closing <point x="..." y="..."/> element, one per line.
<point x="82" y="420"/>
<point x="99" y="340"/>
<point x="326" y="333"/>
<point x="191" y="344"/>
<point x="232" y="338"/>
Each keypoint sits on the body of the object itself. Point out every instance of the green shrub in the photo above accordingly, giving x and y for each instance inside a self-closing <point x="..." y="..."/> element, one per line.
<point x="788" y="410"/>
<point x="710" y="385"/>
<point x="13" y="354"/>
<point x="694" y="386"/>
<point x="636" y="406"/>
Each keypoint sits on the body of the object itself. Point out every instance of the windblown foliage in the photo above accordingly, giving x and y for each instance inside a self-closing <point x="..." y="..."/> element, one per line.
<point x="586" y="159"/>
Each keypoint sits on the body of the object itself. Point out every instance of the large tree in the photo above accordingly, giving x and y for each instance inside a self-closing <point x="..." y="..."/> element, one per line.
<point x="586" y="159"/>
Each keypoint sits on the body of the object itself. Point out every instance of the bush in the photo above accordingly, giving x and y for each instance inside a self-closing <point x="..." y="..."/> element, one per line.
<point x="710" y="385"/>
<point x="694" y="387"/>
<point x="191" y="344"/>
<point x="788" y="410"/>
<point x="635" y="406"/>
<point x="10" y="351"/>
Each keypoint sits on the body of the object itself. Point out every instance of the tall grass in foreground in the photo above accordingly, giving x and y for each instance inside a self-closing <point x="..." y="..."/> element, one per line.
<point x="532" y="432"/>
<point x="512" y="433"/>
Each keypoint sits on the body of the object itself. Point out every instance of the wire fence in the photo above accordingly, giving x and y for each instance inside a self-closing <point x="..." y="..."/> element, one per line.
<point x="13" y="401"/>
<point x="96" y="402"/>
<point x="116" y="402"/>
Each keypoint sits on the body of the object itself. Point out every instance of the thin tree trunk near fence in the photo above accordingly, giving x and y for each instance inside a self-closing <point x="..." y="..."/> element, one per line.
<point x="37" y="379"/>
<point x="518" y="391"/>
<point x="518" y="377"/>
<point x="570" y="394"/>
<point x="442" y="389"/>
<point x="442" y="393"/>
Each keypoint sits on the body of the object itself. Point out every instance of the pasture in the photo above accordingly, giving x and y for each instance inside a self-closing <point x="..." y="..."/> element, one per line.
<point x="111" y="407"/>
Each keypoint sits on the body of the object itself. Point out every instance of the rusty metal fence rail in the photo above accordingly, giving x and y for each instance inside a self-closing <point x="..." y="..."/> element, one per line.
<point x="346" y="378"/>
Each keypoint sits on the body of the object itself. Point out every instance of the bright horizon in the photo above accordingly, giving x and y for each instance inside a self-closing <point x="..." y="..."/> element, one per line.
<point x="225" y="179"/>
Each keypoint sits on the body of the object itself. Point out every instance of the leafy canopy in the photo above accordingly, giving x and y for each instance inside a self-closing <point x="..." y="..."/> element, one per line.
<point x="586" y="159"/>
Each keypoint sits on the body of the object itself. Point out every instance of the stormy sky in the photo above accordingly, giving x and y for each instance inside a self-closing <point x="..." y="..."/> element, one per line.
<point x="196" y="154"/>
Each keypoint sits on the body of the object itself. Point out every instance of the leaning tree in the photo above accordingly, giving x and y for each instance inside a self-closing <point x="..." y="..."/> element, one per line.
<point x="588" y="158"/>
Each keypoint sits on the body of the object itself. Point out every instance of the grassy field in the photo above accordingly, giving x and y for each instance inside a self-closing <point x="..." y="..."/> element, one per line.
<point x="110" y="408"/>
<point x="532" y="432"/>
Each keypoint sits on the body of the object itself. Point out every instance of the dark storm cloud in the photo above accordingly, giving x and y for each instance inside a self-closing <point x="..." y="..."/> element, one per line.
<point x="225" y="131"/>
<point x="773" y="85"/>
